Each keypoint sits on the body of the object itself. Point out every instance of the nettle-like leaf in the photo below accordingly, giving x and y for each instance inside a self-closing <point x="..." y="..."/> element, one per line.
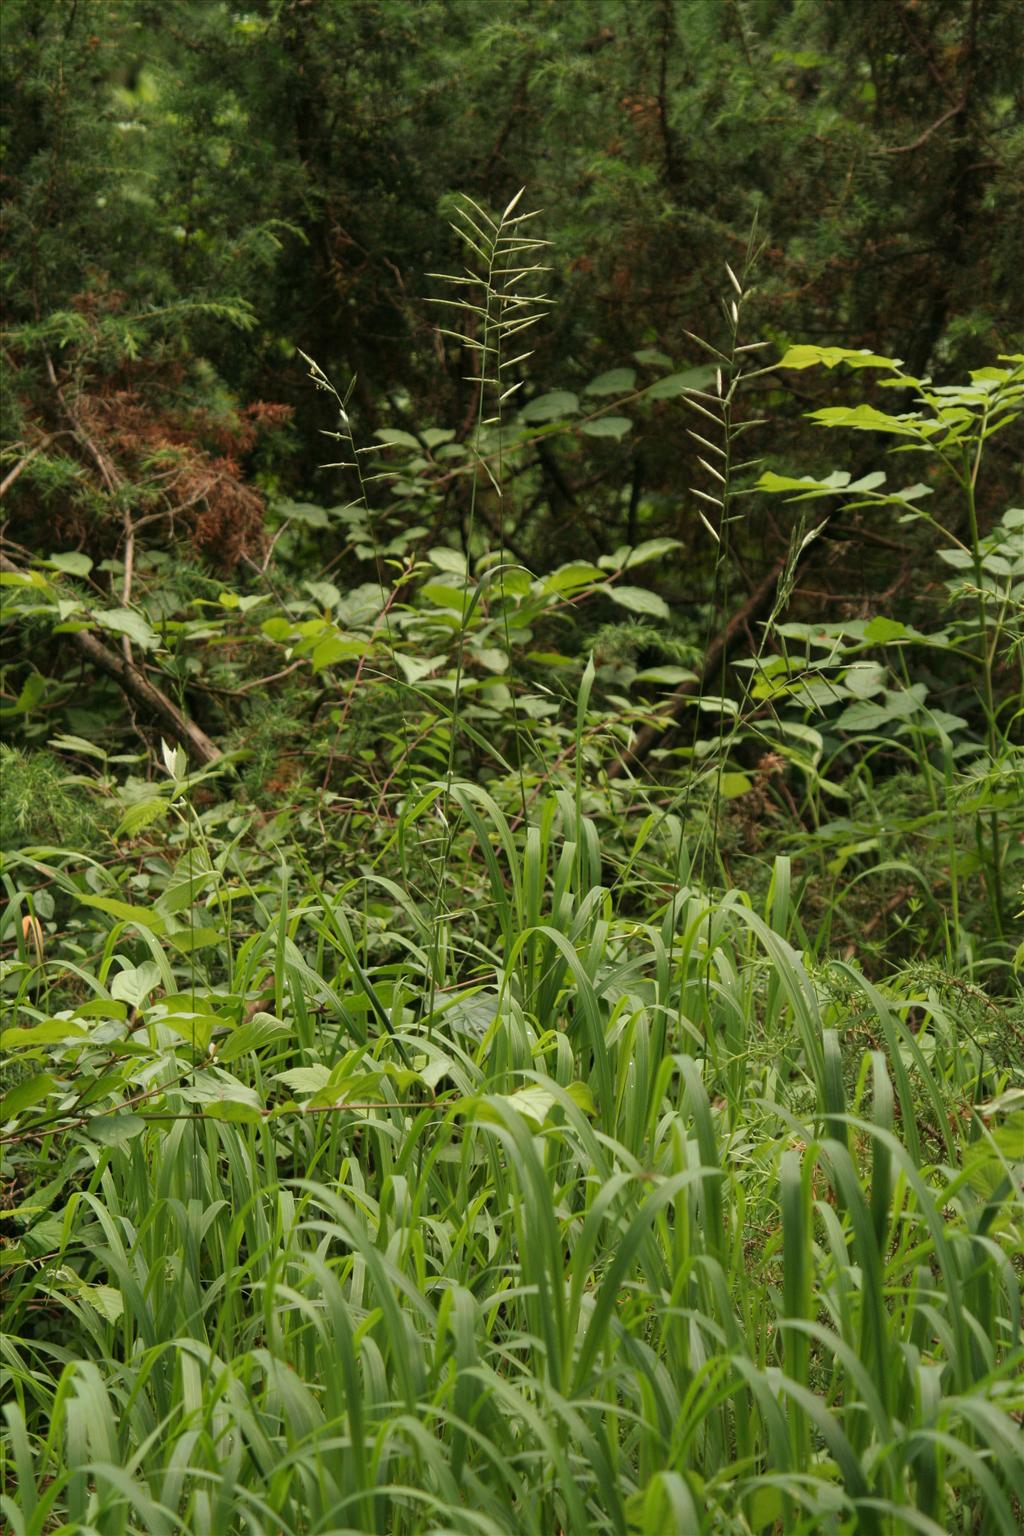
<point x="803" y="356"/>
<point x="125" y="621"/>
<point x="838" y="483"/>
<point x="867" y="418"/>
<point x="535" y="1103"/>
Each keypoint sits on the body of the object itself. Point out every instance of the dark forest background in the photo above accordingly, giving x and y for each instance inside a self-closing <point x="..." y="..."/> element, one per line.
<point x="194" y="191"/>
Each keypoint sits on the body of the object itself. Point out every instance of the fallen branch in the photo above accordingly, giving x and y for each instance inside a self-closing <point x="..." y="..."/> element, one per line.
<point x="137" y="686"/>
<point x="922" y="138"/>
<point x="758" y="603"/>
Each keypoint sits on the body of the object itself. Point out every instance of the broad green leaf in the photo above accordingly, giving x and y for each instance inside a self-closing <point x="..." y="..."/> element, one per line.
<point x="442" y="596"/>
<point x="652" y="358"/>
<point x="256" y="1032"/>
<point x="671" y="676"/>
<point x="733" y="785"/>
<point x="880" y="630"/>
<point x="864" y="679"/>
<point x="324" y="593"/>
<point x="864" y="418"/>
<point x="78" y="744"/>
<point x="32" y="692"/>
<point x="491" y="657"/>
<point x="143" y="814"/>
<point x="535" y="1102"/>
<point x="451" y="560"/>
<point x="115" y="1129"/>
<point x="571" y="577"/>
<point x="395" y="438"/>
<point x="301" y="512"/>
<point x="222" y="1095"/>
<point x="188" y="940"/>
<point x="72" y="563"/>
<point x="650" y="549"/>
<point x="436" y="437"/>
<point x="361" y="605"/>
<point x="135" y="983"/>
<point x="142" y="917"/>
<point x="336" y="648"/>
<point x="676" y="384"/>
<point x="305" y="1079"/>
<point x="415" y="668"/>
<point x="553" y="406"/>
<point x="125" y="621"/>
<point x="49" y="1032"/>
<point x="24" y="1095"/>
<point x="871" y="715"/>
<point x="829" y="357"/>
<point x="34" y="579"/>
<point x="617" y="381"/>
<point x="834" y="484"/>
<point x="607" y="426"/>
<point x="639" y="600"/>
<point x="278" y="628"/>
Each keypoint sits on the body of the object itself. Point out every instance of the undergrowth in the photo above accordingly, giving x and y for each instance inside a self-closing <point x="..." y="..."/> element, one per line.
<point x="447" y="1113"/>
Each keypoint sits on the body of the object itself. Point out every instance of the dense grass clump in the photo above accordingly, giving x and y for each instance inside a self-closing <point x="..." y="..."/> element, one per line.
<point x="650" y="1228"/>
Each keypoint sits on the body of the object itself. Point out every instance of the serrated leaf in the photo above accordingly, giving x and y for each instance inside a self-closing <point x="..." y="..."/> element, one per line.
<point x="535" y="1102"/>
<point x="260" y="1030"/>
<point x="223" y="1096"/>
<point x="305" y="1079"/>
<point x="144" y="814"/>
